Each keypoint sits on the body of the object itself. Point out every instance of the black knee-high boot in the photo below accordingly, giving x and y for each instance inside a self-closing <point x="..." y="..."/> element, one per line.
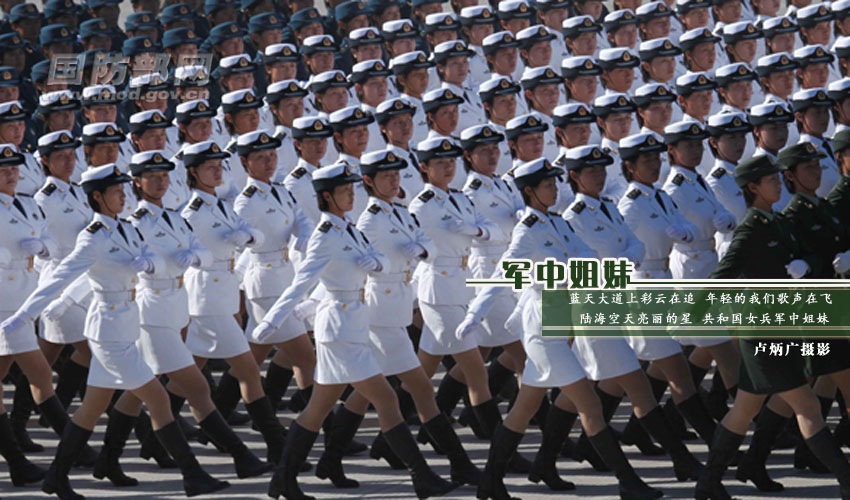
<point x="722" y="451"/>
<point x="265" y="419"/>
<point x="343" y="428"/>
<point x="300" y="398"/>
<point x="584" y="450"/>
<point x="57" y="418"/>
<point x="299" y="441"/>
<point x="462" y="469"/>
<point x="56" y="481"/>
<point x="276" y="382"/>
<point x="246" y="463"/>
<point x="381" y="450"/>
<point x="227" y="395"/>
<point x="497" y="377"/>
<point x="631" y="485"/>
<point x="803" y="457"/>
<point x="697" y="415"/>
<point x="555" y="431"/>
<point x="72" y="376"/>
<point x="718" y="397"/>
<point x="751" y="467"/>
<point x="22" y="406"/>
<point x="826" y="449"/>
<point x="634" y="433"/>
<point x="107" y="464"/>
<point x="685" y="465"/>
<point x="426" y="483"/>
<point x="151" y="447"/>
<point x="21" y="470"/>
<point x="448" y="394"/>
<point x="490" y="417"/>
<point x="502" y="448"/>
<point x="190" y="431"/>
<point x="697" y="374"/>
<point x="196" y="481"/>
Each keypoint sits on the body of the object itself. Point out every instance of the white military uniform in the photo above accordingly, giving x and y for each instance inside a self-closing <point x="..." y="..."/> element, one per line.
<point x="505" y="161"/>
<point x="390" y="295"/>
<point x="471" y="110"/>
<point x="214" y="290"/>
<point x="550" y="361"/>
<point x="721" y="180"/>
<point x="272" y="210"/>
<point x="695" y="259"/>
<point x="496" y="200"/>
<point x="178" y="193"/>
<point x="162" y="298"/>
<point x="648" y="212"/>
<point x="420" y="120"/>
<point x="299" y="183"/>
<point x="615" y="182"/>
<point x="104" y="251"/>
<point x="443" y="294"/>
<point x="30" y="176"/>
<point x="67" y="212"/>
<point x="411" y="179"/>
<point x="343" y="351"/>
<point x="20" y="219"/>
<point x="599" y="224"/>
<point x="286" y="155"/>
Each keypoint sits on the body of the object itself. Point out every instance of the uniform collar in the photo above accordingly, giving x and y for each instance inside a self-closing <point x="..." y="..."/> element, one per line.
<point x="306" y="164"/>
<point x="454" y="88"/>
<point x="208" y="199"/>
<point x="760" y="151"/>
<point x="725" y="165"/>
<point x="152" y="209"/>
<point x="386" y="207"/>
<point x="338" y="222"/>
<point x="611" y="145"/>
<point x="108" y="222"/>
<point x="398" y="150"/>
<point x="414" y="100"/>
<point x="5" y="199"/>
<point x="441" y="195"/>
<point x="61" y="185"/>
<point x="688" y="118"/>
<point x="812" y="199"/>
<point x="487" y="181"/>
<point x="687" y="173"/>
<point x="643" y="188"/>
<point x="768" y="215"/>
<point x="589" y="201"/>
<point x="262" y="186"/>
<point x="349" y="159"/>
<point x="282" y="132"/>
<point x="817" y="141"/>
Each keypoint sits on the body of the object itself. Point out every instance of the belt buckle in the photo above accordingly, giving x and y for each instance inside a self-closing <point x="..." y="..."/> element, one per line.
<point x="133" y="295"/>
<point x="362" y="295"/>
<point x="180" y="281"/>
<point x="407" y="277"/>
<point x="232" y="265"/>
<point x="463" y="261"/>
<point x="286" y="254"/>
<point x="30" y="261"/>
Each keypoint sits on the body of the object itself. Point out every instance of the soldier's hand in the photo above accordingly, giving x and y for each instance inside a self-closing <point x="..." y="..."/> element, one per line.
<point x="13" y="323"/>
<point x="368" y="262"/>
<point x="142" y="265"/>
<point x="676" y="232"/>
<point x="841" y="263"/>
<point x="305" y="309"/>
<point x="469" y="325"/>
<point x="238" y="237"/>
<point x="187" y="258"/>
<point x="56" y="309"/>
<point x="797" y="268"/>
<point x="33" y="246"/>
<point x="413" y="250"/>
<point x="724" y="222"/>
<point x="263" y="331"/>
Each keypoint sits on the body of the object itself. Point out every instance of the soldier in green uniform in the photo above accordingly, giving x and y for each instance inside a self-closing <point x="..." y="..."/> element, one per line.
<point x="765" y="247"/>
<point x="839" y="197"/>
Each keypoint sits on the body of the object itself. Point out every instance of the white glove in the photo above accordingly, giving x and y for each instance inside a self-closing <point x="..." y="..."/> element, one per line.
<point x="797" y="268"/>
<point x="142" y="265"/>
<point x="634" y="260"/>
<point x="238" y="237"/>
<point x="469" y="325"/>
<point x="724" y="222"/>
<point x="676" y="232"/>
<point x="305" y="309"/>
<point x="462" y="227"/>
<point x="187" y="258"/>
<point x="56" y="309"/>
<point x="301" y="244"/>
<point x="13" y="323"/>
<point x="368" y="262"/>
<point x="33" y="246"/>
<point x="263" y="331"/>
<point x="413" y="250"/>
<point x="841" y="263"/>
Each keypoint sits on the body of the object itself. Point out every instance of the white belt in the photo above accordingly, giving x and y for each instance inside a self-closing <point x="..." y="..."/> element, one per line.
<point x="165" y="284"/>
<point x="696" y="245"/>
<point x="348" y="295"/>
<point x="655" y="265"/>
<point x="451" y="262"/>
<point x="221" y="265"/>
<point x="278" y="257"/>
<point x="403" y="277"/>
<point x="488" y="250"/>
<point x="120" y="296"/>
<point x="20" y="264"/>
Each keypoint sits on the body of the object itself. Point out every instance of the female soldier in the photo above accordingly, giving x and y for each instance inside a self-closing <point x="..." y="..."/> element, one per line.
<point x="240" y="117"/>
<point x="163" y="311"/>
<point x="340" y="256"/>
<point x="12" y="131"/>
<point x="113" y="255"/>
<point x="214" y="294"/>
<point x="397" y="235"/>
<point x="765" y="247"/>
<point x="270" y="208"/>
<point x="551" y="362"/>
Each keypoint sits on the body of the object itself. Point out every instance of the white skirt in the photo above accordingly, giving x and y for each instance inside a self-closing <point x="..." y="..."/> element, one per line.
<point x="23" y="340"/>
<point x="68" y="330"/>
<point x="393" y="350"/>
<point x="652" y="348"/>
<point x="692" y="265"/>
<point x="216" y="337"/>
<point x="700" y="341"/>
<point x="494" y="323"/>
<point x="438" y="333"/>
<point x="605" y="357"/>
<point x="163" y="349"/>
<point x="117" y="365"/>
<point x="291" y="328"/>
<point x="550" y="361"/>
<point x="344" y="363"/>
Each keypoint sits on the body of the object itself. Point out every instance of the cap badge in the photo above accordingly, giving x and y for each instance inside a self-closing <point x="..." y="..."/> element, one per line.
<point x="446" y="145"/>
<point x="215" y="149"/>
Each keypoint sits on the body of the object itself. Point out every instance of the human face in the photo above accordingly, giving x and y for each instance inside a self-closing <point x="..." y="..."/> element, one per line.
<point x="111" y="200"/>
<point x="768" y="189"/>
<point x="781" y="83"/>
<point x="626" y="36"/>
<point x="401" y="46"/>
<point x="12" y="132"/>
<point x="197" y="130"/>
<point x="697" y="104"/>
<point x="209" y="174"/>
<point x="8" y="180"/>
<point x="696" y="18"/>
<point x="619" y="79"/>
<point x="806" y="176"/>
<point x="385" y="183"/>
<point x="617" y="125"/>
<point x="576" y="134"/>
<point x="783" y="42"/>
<point x="456" y="69"/>
<point x="772" y="136"/>
<point x="153" y="100"/>
<point x="738" y="94"/>
<point x="399" y="129"/>
<point x="661" y="69"/>
<point x="768" y="8"/>
<point x="341" y="198"/>
<point x="687" y="153"/>
<point x="245" y="120"/>
<point x="102" y="113"/>
<point x="238" y="81"/>
<point x="231" y="47"/>
<point x="319" y="62"/>
<point x="701" y="56"/>
<point x="582" y="45"/>
<point x="415" y="82"/>
<point x="502" y="108"/>
<point x="819" y="33"/>
<point x="539" y="54"/>
<point x="590" y="180"/>
<point x="61" y="163"/>
<point x="815" y="120"/>
<point x="529" y="146"/>
<point x="334" y="99"/>
<point x="553" y="18"/>
<point x="281" y="70"/>
<point x="657" y="115"/>
<point x="9" y="94"/>
<point x="592" y="8"/>
<point x="374" y="90"/>
<point x="268" y="37"/>
<point x="478" y="32"/>
<point x="261" y="165"/>
<point x="545" y="193"/>
<point x="516" y="25"/>
<point x="153" y="185"/>
<point x="843" y="108"/>
<point x="440" y="171"/>
<point x="60" y="120"/>
<point x="744" y="51"/>
<point x="728" y="12"/>
<point x="150" y="139"/>
<point x="367" y="52"/>
<point x="814" y="75"/>
<point x="313" y="149"/>
<point x="288" y="109"/>
<point x="645" y="168"/>
<point x="583" y="88"/>
<point x="484" y="158"/>
<point x="354" y="140"/>
<point x="730" y="147"/>
<point x="445" y="119"/>
<point x="657" y="28"/>
<point x="545" y="97"/>
<point x="504" y="61"/>
<point x="103" y="153"/>
<point x="437" y="37"/>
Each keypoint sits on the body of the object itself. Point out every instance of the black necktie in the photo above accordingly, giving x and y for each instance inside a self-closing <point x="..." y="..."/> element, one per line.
<point x="825" y="146"/>
<point x="167" y="219"/>
<point x="395" y="212"/>
<point x="276" y="196"/>
<point x="20" y="207"/>
<point x="71" y="189"/>
<point x="658" y="199"/>
<point x="701" y="182"/>
<point x="412" y="157"/>
<point x="465" y="97"/>
<point x="351" y="231"/>
<point x="221" y="207"/>
<point x="454" y="202"/>
<point x="605" y="211"/>
<point x="123" y="234"/>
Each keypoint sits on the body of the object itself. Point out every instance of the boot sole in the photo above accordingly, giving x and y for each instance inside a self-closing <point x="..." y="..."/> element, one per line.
<point x="218" y="487"/>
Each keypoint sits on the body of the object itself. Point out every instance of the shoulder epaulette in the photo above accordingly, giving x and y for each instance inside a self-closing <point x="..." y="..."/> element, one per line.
<point x="578" y="207"/>
<point x="678" y="179"/>
<point x="633" y="194"/>
<point x="196" y="204"/>
<point x="140" y="213"/>
<point x="326" y="226"/>
<point x="718" y="173"/>
<point x="374" y="209"/>
<point x="94" y="227"/>
<point x="48" y="189"/>
<point x="249" y="191"/>
<point x="299" y="172"/>
<point x="179" y="155"/>
<point x="427" y="195"/>
<point x="475" y="184"/>
<point x="530" y="220"/>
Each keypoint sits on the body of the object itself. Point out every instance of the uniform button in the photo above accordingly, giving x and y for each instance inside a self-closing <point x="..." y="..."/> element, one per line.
<point x="495" y="261"/>
<point x="215" y="279"/>
<point x="156" y="292"/>
<point x="443" y="273"/>
<point x="286" y="221"/>
<point x="132" y="280"/>
<point x="837" y="238"/>
<point x="112" y="306"/>
<point x="646" y="275"/>
<point x="566" y="254"/>
<point x="696" y="256"/>
<point x="11" y="277"/>
<point x="269" y="266"/>
<point x="33" y="233"/>
<point x="345" y="306"/>
<point x="387" y="290"/>
<point x="179" y="246"/>
<point x="619" y="240"/>
<point x="408" y="263"/>
<point x="364" y="282"/>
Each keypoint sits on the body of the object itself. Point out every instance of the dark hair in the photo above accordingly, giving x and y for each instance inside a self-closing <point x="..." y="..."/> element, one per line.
<point x="644" y="74"/>
<point x="323" y="203"/>
<point x="467" y="165"/>
<point x="626" y="172"/>
<point x="525" y="198"/>
<point x="713" y="150"/>
<point x="228" y="123"/>
<point x="422" y="172"/>
<point x="749" y="196"/>
<point x="512" y="147"/>
<point x="191" y="180"/>
<point x="136" y="190"/>
<point x="785" y="180"/>
<point x="573" y="184"/>
<point x="92" y="203"/>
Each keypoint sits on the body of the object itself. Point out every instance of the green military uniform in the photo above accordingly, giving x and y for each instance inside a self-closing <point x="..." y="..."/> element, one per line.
<point x="761" y="247"/>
